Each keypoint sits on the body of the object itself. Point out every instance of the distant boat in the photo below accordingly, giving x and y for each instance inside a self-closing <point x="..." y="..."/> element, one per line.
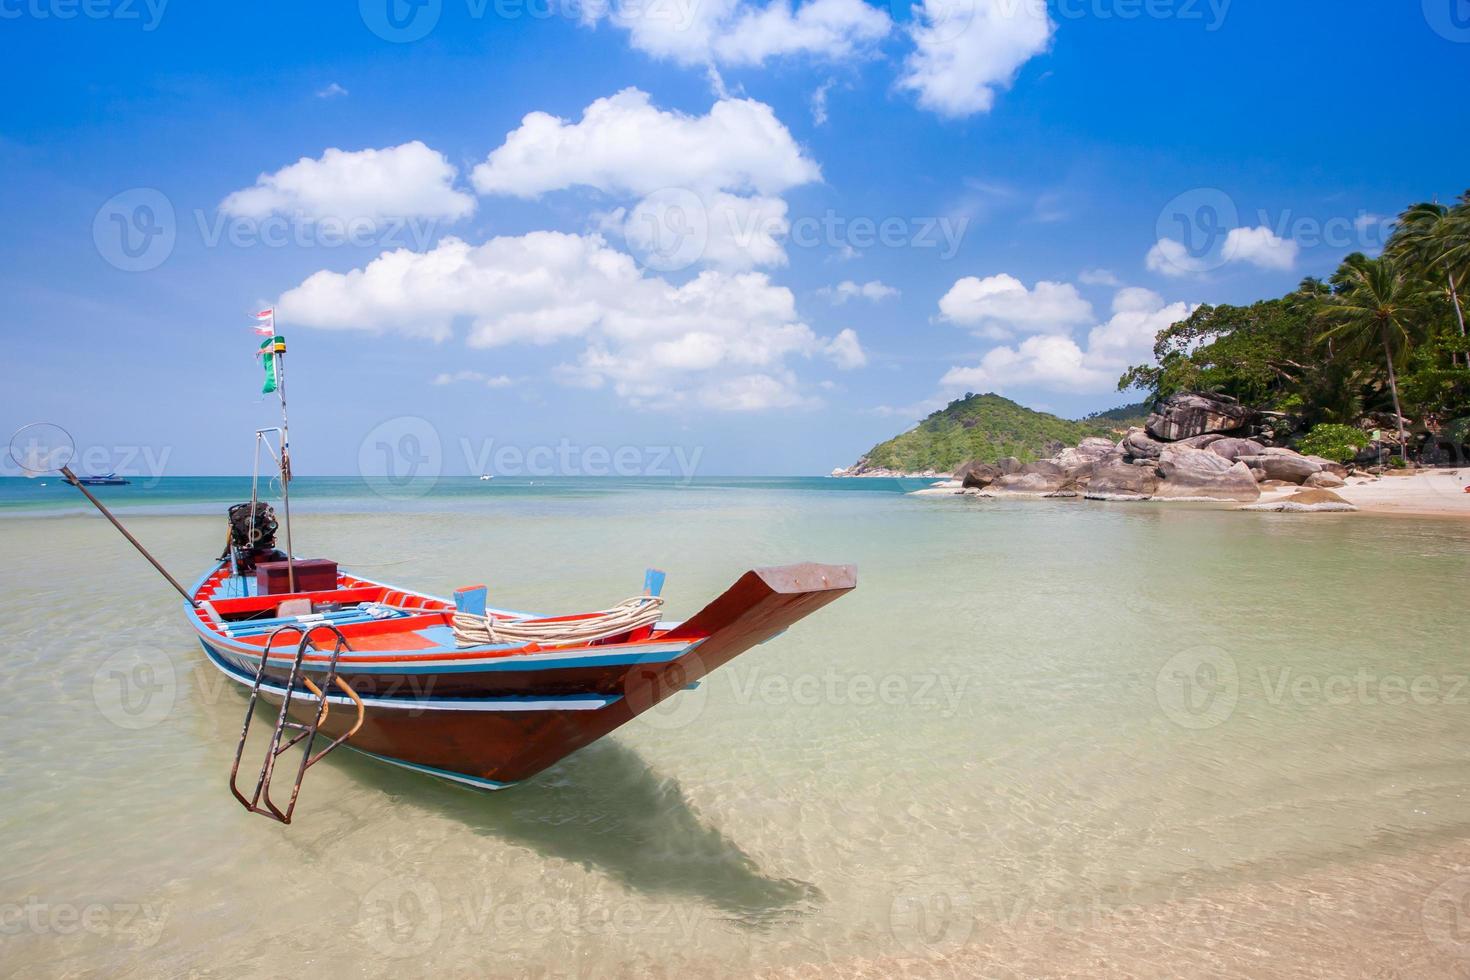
<point x="105" y="480"/>
<point x="487" y="476"/>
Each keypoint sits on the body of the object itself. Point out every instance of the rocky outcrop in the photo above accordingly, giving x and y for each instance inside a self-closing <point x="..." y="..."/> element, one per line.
<point x="1232" y="449"/>
<point x="1042" y="476"/>
<point x="1138" y="444"/>
<point x="1188" y="414"/>
<point x="1282" y="465"/>
<point x="1119" y="480"/>
<point x="1331" y="466"/>
<point x="1008" y="464"/>
<point x="1324" y="480"/>
<point x="1198" y="473"/>
<point x="976" y="475"/>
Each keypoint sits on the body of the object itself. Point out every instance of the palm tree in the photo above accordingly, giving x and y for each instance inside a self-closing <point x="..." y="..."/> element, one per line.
<point x="1426" y="235"/>
<point x="1376" y="303"/>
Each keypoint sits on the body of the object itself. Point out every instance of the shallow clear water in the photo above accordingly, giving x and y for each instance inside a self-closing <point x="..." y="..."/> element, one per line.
<point x="1041" y="736"/>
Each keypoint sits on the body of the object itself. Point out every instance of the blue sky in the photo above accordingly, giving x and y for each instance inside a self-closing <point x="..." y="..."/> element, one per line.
<point x="682" y="248"/>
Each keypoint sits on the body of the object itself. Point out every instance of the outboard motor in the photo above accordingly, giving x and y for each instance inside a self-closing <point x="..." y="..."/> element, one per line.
<point x="252" y="536"/>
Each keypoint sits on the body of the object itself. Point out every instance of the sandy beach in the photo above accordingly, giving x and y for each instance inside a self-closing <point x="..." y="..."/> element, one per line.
<point x="1427" y="493"/>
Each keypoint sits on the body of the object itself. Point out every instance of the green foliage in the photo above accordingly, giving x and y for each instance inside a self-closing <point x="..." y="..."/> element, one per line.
<point x="1383" y="336"/>
<point x="1329" y="440"/>
<point x="985" y="427"/>
<point x="1124" y="415"/>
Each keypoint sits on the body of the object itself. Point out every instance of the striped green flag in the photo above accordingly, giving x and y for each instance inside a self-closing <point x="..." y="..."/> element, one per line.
<point x="268" y="351"/>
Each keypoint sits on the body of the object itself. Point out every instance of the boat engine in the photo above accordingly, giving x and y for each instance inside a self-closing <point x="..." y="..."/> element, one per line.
<point x="252" y="536"/>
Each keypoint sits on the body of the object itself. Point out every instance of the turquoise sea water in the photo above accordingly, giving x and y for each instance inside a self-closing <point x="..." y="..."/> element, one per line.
<point x="1043" y="737"/>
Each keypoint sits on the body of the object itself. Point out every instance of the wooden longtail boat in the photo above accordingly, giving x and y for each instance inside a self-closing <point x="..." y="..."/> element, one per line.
<point x="481" y="696"/>
<point x="487" y="715"/>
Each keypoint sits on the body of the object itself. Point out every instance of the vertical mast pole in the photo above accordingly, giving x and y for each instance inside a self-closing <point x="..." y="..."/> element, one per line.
<point x="285" y="451"/>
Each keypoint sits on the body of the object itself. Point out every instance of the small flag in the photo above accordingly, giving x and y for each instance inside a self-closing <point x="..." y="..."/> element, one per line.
<point x="267" y="353"/>
<point x="266" y="331"/>
<point x="269" y="314"/>
<point x="265" y="322"/>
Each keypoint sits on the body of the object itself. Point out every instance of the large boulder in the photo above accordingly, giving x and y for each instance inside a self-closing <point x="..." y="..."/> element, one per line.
<point x="1189" y="472"/>
<point x="1282" y="465"/>
<point x="976" y="474"/>
<point x="1042" y="476"/>
<point x="1232" y="449"/>
<point x="1117" y="480"/>
<point x="1322" y="479"/>
<point x="1189" y="414"/>
<point x="1138" y="444"/>
<point x="1008" y="464"/>
<point x="1096" y="446"/>
<point x="1307" y="502"/>
<point x="1201" y="442"/>
<point x="1330" y="465"/>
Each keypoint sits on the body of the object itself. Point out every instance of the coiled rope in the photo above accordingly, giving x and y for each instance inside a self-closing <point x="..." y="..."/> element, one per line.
<point x="630" y="614"/>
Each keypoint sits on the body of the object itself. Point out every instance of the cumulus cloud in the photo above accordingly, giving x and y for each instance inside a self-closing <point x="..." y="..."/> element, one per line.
<point x="1058" y="362"/>
<point x="1098" y="277"/>
<point x="1260" y="247"/>
<point x="732" y="32"/>
<point x="654" y="343"/>
<point x="967" y="50"/>
<point x="845" y="351"/>
<point x="407" y="181"/>
<point x="874" y="291"/>
<point x="709" y="184"/>
<point x="1001" y="306"/>
<point x="624" y="144"/>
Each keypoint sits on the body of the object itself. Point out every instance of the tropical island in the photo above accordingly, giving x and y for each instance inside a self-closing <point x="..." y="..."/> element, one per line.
<point x="1338" y="383"/>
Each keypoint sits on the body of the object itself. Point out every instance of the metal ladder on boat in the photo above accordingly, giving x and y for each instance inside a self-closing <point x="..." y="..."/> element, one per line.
<point x="304" y="730"/>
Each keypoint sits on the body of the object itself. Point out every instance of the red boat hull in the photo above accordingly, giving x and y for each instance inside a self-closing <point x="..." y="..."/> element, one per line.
<point x="494" y="741"/>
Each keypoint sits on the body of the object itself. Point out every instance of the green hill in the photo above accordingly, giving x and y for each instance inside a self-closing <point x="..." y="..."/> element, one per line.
<point x="988" y="427"/>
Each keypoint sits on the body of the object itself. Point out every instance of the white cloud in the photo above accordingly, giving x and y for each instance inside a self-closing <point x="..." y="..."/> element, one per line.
<point x="874" y="291"/>
<point x="1260" y="247"/>
<point x="625" y="145"/>
<point x="656" y="344"/>
<point x="1001" y="306"/>
<point x="819" y="103"/>
<point x="407" y="181"/>
<point x="709" y="183"/>
<point x="331" y="91"/>
<point x="475" y="377"/>
<point x="1058" y="362"/>
<point x="967" y="50"/>
<point x="1098" y="277"/>
<point x="730" y="32"/>
<point x="845" y="351"/>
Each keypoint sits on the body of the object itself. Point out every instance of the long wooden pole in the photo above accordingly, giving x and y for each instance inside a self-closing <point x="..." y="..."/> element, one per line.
<point x="72" y="479"/>
<point x="285" y="455"/>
